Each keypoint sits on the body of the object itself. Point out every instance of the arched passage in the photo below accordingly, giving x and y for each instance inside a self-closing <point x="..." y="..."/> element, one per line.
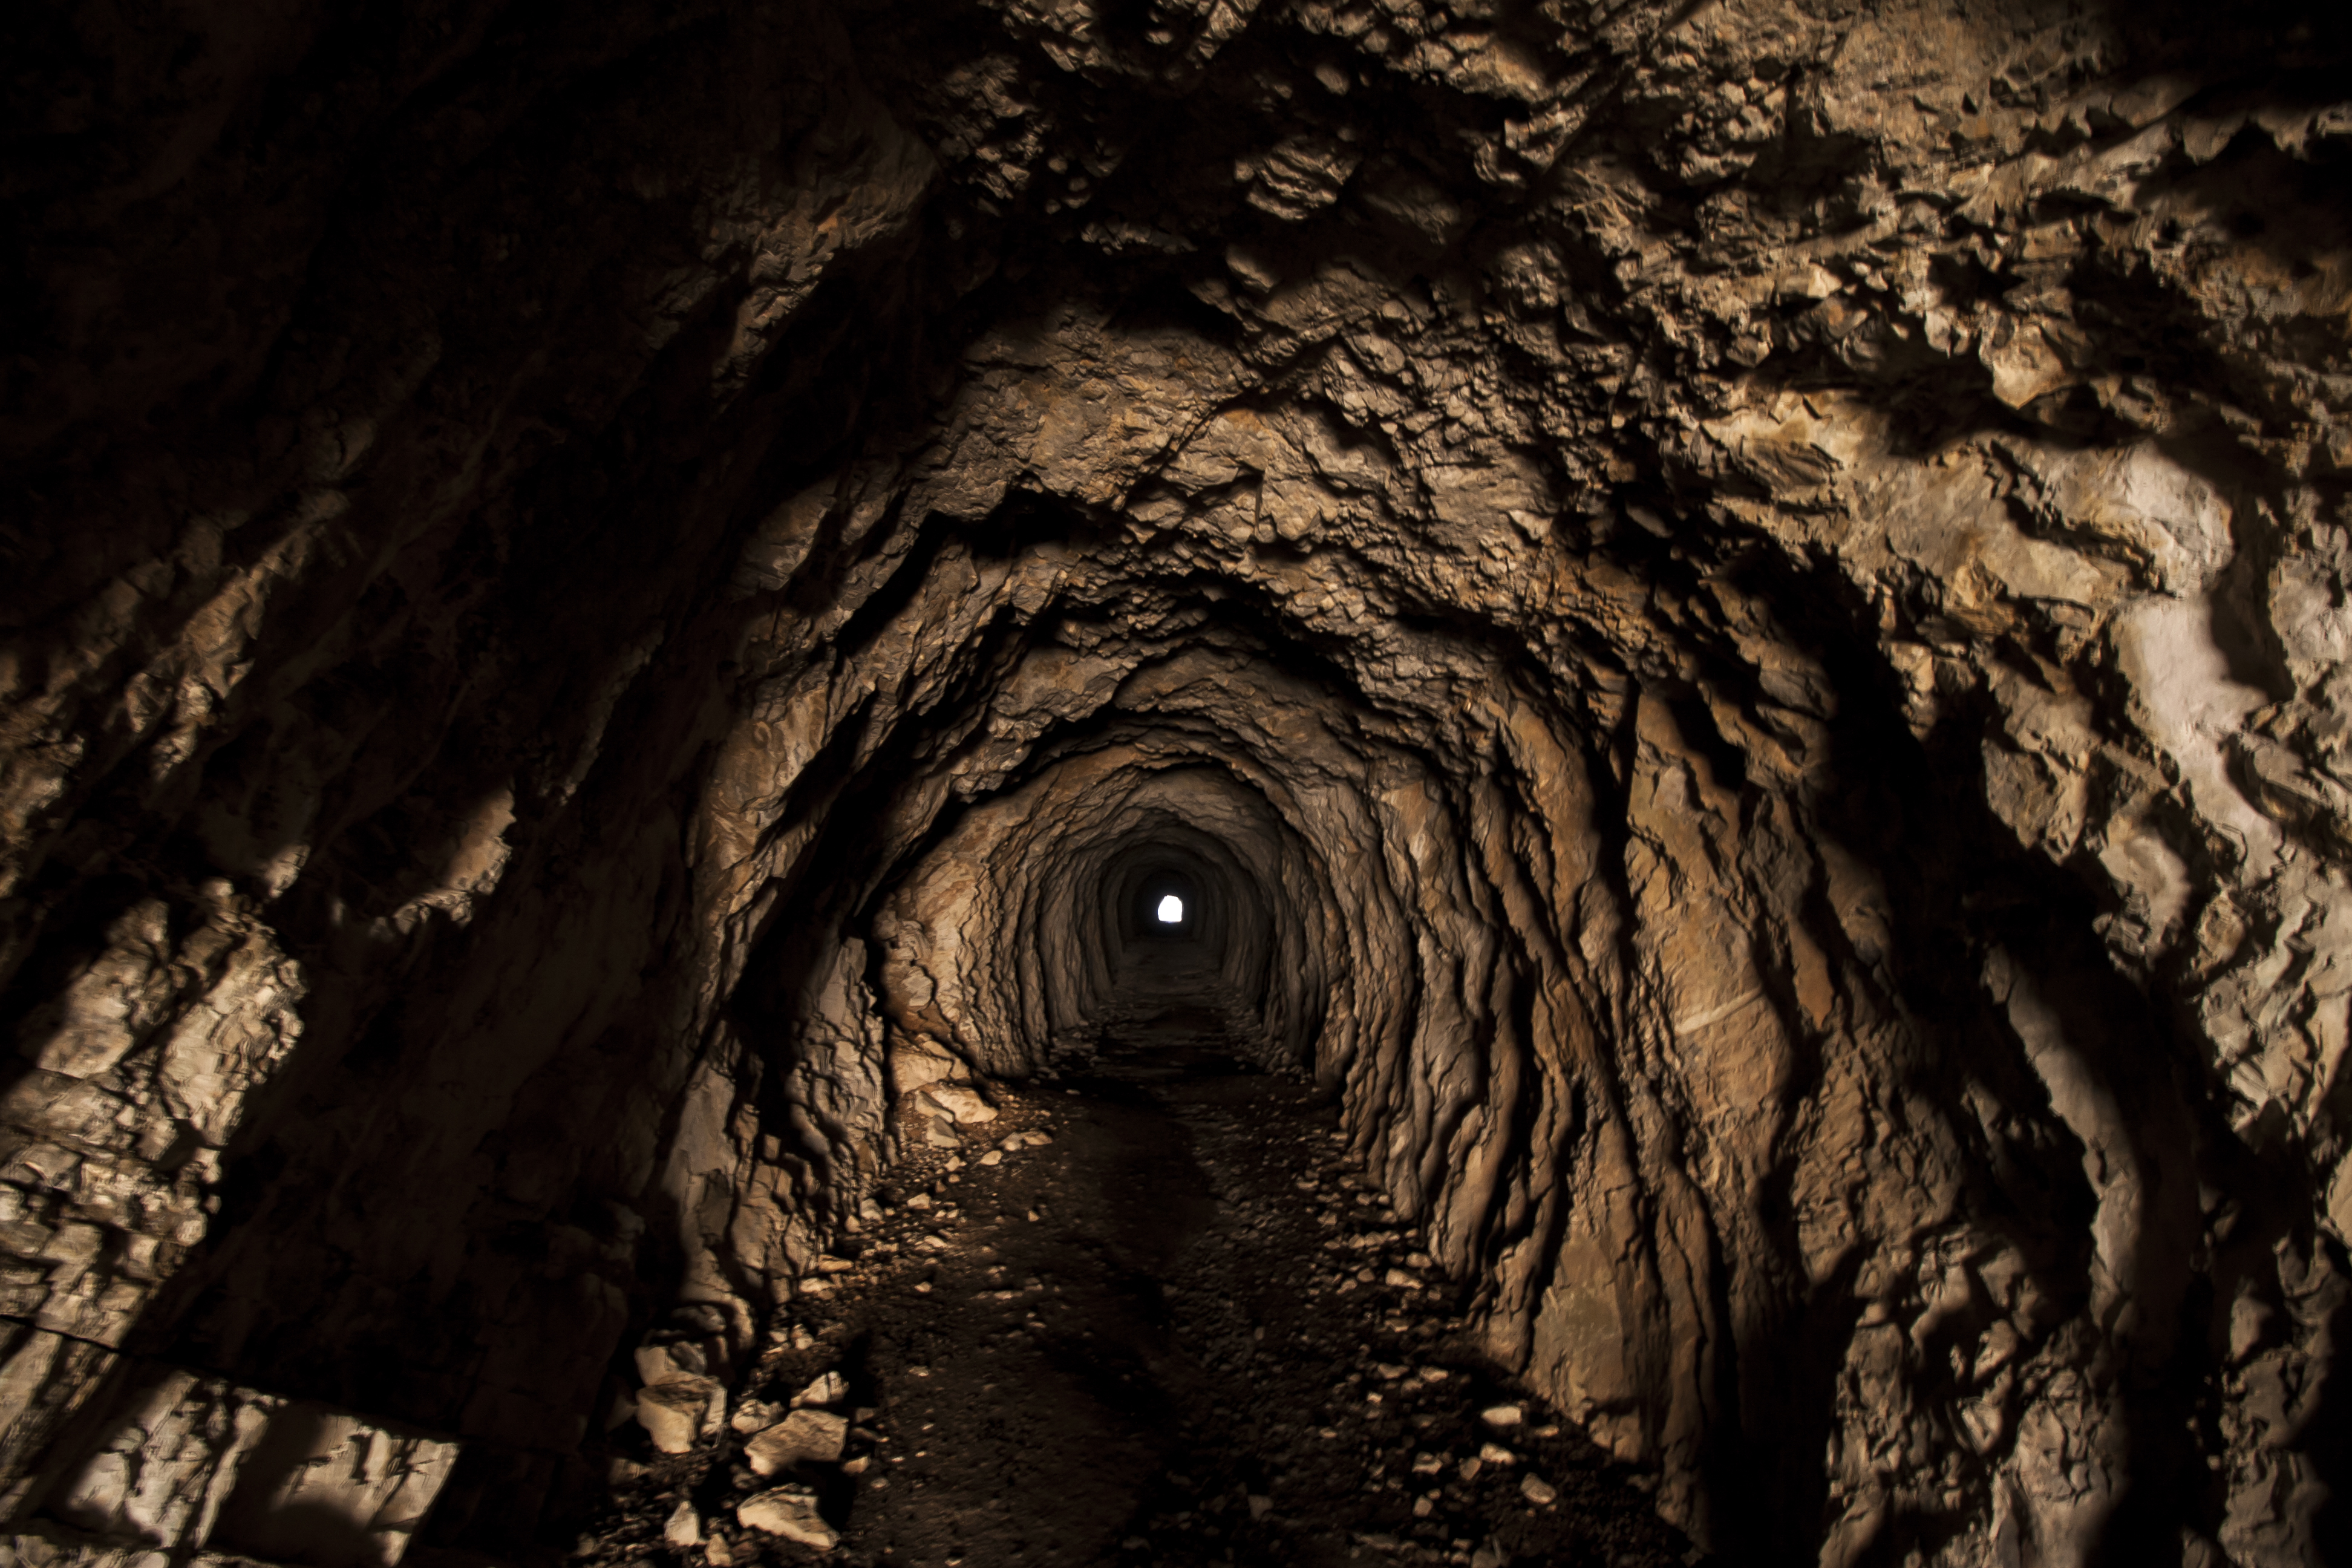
<point x="1739" y="611"/>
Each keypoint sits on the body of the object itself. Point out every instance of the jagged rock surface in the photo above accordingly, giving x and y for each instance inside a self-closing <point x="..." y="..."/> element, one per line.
<point x="1739" y="614"/>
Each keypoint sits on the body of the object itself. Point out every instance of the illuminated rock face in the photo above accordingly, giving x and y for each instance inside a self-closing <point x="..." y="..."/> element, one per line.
<point x="1737" y="618"/>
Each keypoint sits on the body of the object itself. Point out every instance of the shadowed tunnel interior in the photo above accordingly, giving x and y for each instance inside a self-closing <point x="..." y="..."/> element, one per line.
<point x="1728" y="621"/>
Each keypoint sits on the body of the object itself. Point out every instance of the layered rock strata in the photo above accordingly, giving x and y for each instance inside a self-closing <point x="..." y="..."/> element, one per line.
<point x="1737" y="612"/>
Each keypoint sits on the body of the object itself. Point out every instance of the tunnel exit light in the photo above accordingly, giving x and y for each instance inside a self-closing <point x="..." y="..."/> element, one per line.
<point x="1172" y="910"/>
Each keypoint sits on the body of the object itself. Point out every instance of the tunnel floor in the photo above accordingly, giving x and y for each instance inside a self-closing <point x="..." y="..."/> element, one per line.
<point x="1180" y="1332"/>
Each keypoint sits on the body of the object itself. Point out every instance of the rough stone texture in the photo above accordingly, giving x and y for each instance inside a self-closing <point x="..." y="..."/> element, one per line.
<point x="804" y="1435"/>
<point x="678" y="1412"/>
<point x="791" y="1514"/>
<point x="1739" y="611"/>
<point x="184" y="1462"/>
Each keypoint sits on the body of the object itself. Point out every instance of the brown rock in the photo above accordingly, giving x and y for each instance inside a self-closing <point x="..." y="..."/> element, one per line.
<point x="804" y="1437"/>
<point x="789" y="1514"/>
<point x="681" y="1412"/>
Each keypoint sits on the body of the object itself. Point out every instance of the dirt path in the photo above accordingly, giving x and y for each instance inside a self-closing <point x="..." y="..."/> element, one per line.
<point x="1180" y="1332"/>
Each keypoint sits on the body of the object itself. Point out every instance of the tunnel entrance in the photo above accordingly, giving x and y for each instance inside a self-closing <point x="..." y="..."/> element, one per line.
<point x="1170" y="901"/>
<point x="1182" y="928"/>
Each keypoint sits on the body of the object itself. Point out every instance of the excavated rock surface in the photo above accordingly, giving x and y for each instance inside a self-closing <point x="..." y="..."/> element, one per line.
<point x="1736" y="614"/>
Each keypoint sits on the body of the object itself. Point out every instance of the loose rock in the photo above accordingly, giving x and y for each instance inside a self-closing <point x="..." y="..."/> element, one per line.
<point x="789" y="1514"/>
<point x="679" y="1414"/>
<point x="802" y="1438"/>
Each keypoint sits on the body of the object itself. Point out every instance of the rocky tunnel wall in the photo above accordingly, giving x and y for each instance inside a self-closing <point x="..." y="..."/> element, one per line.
<point x="1747" y="602"/>
<point x="1023" y="932"/>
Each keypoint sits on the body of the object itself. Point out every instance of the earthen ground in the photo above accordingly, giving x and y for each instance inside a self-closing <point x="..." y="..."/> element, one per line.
<point x="1180" y="1333"/>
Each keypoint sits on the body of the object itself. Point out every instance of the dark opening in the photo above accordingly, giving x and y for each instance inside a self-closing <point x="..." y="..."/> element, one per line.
<point x="1159" y="894"/>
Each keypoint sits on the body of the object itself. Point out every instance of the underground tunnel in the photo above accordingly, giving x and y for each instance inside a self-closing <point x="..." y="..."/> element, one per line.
<point x="1727" y="622"/>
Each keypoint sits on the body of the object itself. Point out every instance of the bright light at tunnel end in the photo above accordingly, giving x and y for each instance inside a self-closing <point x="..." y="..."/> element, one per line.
<point x="1171" y="910"/>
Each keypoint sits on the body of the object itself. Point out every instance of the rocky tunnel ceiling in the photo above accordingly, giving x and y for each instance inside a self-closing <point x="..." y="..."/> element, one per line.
<point x="1736" y="613"/>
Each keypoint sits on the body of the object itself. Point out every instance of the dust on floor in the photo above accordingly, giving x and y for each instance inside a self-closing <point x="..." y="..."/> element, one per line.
<point x="1147" y="1315"/>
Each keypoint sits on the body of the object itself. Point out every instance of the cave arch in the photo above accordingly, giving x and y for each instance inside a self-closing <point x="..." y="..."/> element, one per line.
<point x="649" y="591"/>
